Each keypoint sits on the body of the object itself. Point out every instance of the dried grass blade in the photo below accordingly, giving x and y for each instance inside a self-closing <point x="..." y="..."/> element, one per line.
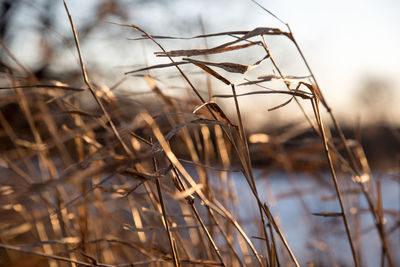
<point x="209" y="166"/>
<point x="146" y="176"/>
<point x="91" y="89"/>
<point x="226" y="214"/>
<point x="200" y="52"/>
<point x="213" y="73"/>
<point x="279" y="232"/>
<point x="269" y="12"/>
<point x="67" y="88"/>
<point x="210" y="238"/>
<point x="189" y="179"/>
<point x="175" y="256"/>
<point x="289" y="77"/>
<point x="299" y="93"/>
<point x="158" y="66"/>
<point x="215" y="107"/>
<point x="49" y="256"/>
<point x="115" y="166"/>
<point x="84" y="113"/>
<point x="170" y="58"/>
<point x="177" y="128"/>
<point x="227" y="66"/>
<point x="257" y="31"/>
<point x="257" y="63"/>
<point x="264" y="31"/>
<point x="188" y="192"/>
<point x="194" y="37"/>
<point x="261" y="80"/>
<point x="281" y="105"/>
<point x="317" y="113"/>
<point x="150" y="81"/>
<point x="172" y="157"/>
<point x="272" y="77"/>
<point x="202" y="262"/>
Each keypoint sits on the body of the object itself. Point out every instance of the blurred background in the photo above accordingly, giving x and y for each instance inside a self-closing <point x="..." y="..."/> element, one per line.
<point x="352" y="47"/>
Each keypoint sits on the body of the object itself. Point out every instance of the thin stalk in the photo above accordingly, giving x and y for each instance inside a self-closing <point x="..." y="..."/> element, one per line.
<point x="229" y="216"/>
<point x="315" y="128"/>
<point x="381" y="226"/>
<point x="190" y="201"/>
<point x="325" y="103"/>
<point x="222" y="232"/>
<point x="220" y="210"/>
<point x="252" y="181"/>
<point x="278" y="230"/>
<point x="92" y="91"/>
<point x="164" y="217"/>
<point x="350" y="155"/>
<point x="207" y="58"/>
<point x="53" y="257"/>
<point x="196" y="213"/>
<point x="341" y="135"/>
<point x="175" y="162"/>
<point x="277" y="262"/>
<point x="173" y="61"/>
<point x="333" y="173"/>
<point x="249" y="168"/>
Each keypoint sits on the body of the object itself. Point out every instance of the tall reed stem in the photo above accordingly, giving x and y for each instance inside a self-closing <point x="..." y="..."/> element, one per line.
<point x="333" y="173"/>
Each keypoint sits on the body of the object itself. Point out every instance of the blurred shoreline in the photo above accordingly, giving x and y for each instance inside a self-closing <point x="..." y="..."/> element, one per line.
<point x="380" y="142"/>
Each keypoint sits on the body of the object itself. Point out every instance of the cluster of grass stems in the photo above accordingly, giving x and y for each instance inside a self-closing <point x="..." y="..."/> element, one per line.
<point x="107" y="188"/>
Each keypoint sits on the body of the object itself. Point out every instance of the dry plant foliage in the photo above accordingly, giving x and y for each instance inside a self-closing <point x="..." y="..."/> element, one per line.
<point x="101" y="187"/>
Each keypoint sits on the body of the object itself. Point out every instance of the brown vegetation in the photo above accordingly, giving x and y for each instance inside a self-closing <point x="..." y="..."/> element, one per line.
<point x="115" y="186"/>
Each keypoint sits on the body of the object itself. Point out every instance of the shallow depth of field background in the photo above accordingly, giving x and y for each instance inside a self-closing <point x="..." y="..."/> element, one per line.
<point x="352" y="48"/>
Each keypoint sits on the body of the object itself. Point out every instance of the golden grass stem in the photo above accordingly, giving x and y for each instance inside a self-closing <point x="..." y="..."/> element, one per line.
<point x="91" y="89"/>
<point x="174" y="253"/>
<point x="348" y="152"/>
<point x="53" y="257"/>
<point x="74" y="168"/>
<point x="226" y="237"/>
<point x="333" y="173"/>
<point x="214" y="245"/>
<point x="249" y="169"/>
<point x="235" y="223"/>
<point x="278" y="230"/>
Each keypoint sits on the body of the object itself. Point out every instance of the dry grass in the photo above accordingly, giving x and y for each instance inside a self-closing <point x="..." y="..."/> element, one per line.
<point x="105" y="187"/>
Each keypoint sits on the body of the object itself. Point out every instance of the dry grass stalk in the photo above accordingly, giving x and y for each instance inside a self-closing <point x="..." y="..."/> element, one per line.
<point x="103" y="188"/>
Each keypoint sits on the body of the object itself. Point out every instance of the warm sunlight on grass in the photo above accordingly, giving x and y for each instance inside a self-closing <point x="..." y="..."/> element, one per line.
<point x="164" y="171"/>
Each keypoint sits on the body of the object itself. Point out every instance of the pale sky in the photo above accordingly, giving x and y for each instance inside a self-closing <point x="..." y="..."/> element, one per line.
<point x="344" y="41"/>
